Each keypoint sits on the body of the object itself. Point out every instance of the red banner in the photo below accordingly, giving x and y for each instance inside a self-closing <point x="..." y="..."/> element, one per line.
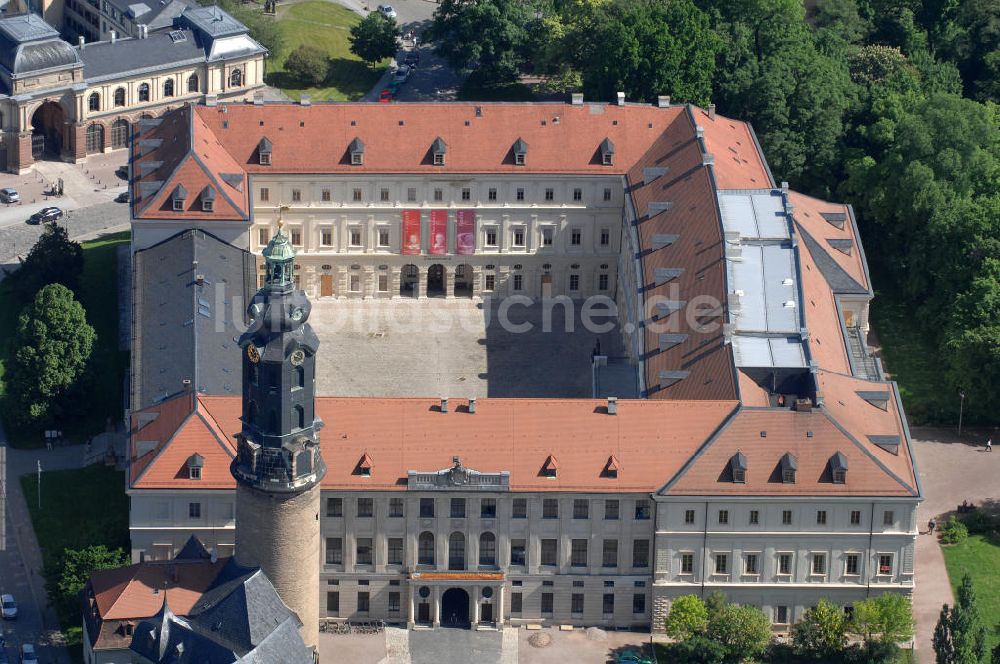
<point x="466" y="232"/>
<point x="411" y="232"/>
<point x="439" y="232"/>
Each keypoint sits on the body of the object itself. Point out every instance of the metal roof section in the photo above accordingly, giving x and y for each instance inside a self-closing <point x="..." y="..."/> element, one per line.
<point x="761" y="266"/>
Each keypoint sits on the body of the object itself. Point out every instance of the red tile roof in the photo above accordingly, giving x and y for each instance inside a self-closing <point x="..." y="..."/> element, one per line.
<point x="738" y="163"/>
<point x="137" y="591"/>
<point x="809" y="213"/>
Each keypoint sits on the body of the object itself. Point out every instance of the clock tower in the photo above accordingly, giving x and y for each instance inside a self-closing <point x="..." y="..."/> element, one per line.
<point x="278" y="465"/>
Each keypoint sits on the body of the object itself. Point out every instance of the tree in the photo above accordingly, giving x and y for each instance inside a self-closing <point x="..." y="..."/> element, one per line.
<point x="688" y="617"/>
<point x="72" y="570"/>
<point x="646" y="48"/>
<point x="54" y="259"/>
<point x="698" y="649"/>
<point x="490" y="37"/>
<point x="307" y="64"/>
<point x="715" y="604"/>
<point x="744" y="631"/>
<point x="53" y="343"/>
<point x="960" y="635"/>
<point x="822" y="631"/>
<point x="374" y="38"/>
<point x="883" y="620"/>
<point x="996" y="655"/>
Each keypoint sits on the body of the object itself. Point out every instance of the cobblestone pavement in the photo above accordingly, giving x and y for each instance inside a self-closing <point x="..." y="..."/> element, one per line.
<point x="577" y="648"/>
<point x="455" y="646"/>
<point x="83" y="222"/>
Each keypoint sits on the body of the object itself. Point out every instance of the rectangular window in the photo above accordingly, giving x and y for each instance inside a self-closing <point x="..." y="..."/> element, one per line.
<point x="550" y="508"/>
<point x="520" y="194"/>
<point x="607" y="193"/>
<point x="492" y="194"/>
<point x="688" y="517"/>
<point x="516" y="602"/>
<point x="884" y="564"/>
<point x="296" y="237"/>
<point x="750" y="564"/>
<point x="364" y="602"/>
<point x="395" y="508"/>
<point x="550" y="194"/>
<point x="395" y="551"/>
<point x="356" y="195"/>
<point x="355" y="236"/>
<point x="855" y="517"/>
<point x="611" y="510"/>
<point x="608" y="604"/>
<point x="458" y="508"/>
<point x="265" y="194"/>
<point x="576" y="603"/>
<point x="263" y="236"/>
<point x="518" y="282"/>
<point x="602" y="282"/>
<point x="547" y="237"/>
<point x="642" y="510"/>
<point x="549" y="552"/>
<point x="687" y="563"/>
<point x="488" y="508"/>
<point x="786" y="517"/>
<point x="491" y="237"/>
<point x="723" y="517"/>
<point x="438" y="195"/>
<point x="819" y="563"/>
<point x="325" y="195"/>
<point x="394" y="602"/>
<point x="609" y="554"/>
<point x="581" y="509"/>
<point x="640" y="553"/>
<point x="364" y="551"/>
<point x="578" y="194"/>
<point x="754" y="517"/>
<point x="296" y="196"/>
<point x="334" y="551"/>
<point x="426" y="508"/>
<point x="366" y="508"/>
<point x="781" y="615"/>
<point x="821" y="517"/>
<point x="491" y="282"/>
<point x="517" y="551"/>
<point x="888" y="518"/>
<point x="605" y="237"/>
<point x="333" y="602"/>
<point x="194" y="510"/>
<point x="851" y="564"/>
<point x="335" y="507"/>
<point x="355" y="287"/>
<point x="578" y="553"/>
<point x="722" y="563"/>
<point x="383" y="283"/>
<point x="326" y="236"/>
<point x="576" y="237"/>
<point x="383" y="195"/>
<point x="639" y="603"/>
<point x="547" y="603"/>
<point x="466" y="194"/>
<point x="518" y="237"/>
<point x="383" y="237"/>
<point x="574" y="282"/>
<point x="411" y="194"/>
<point x="519" y="508"/>
<point x="784" y="563"/>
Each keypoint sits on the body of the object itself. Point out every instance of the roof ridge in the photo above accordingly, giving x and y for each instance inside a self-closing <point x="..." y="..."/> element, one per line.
<point x="167" y="181"/>
<point x="868" y="452"/>
<point x="205" y="414"/>
<point x="689" y="463"/>
<point x="161" y="448"/>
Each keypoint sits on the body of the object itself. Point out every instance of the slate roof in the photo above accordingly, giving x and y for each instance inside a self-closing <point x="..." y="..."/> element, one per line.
<point x="184" y="329"/>
<point x="106" y="60"/>
<point x="28" y="44"/>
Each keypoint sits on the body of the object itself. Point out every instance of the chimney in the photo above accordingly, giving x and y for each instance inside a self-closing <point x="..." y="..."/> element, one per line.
<point x="305" y="100"/>
<point x="803" y="405"/>
<point x="114" y="36"/>
<point x="707" y="159"/>
<point x="621" y="98"/>
<point x="711" y="111"/>
<point x="472" y="405"/>
<point x="82" y="41"/>
<point x="577" y="99"/>
<point x="200" y="279"/>
<point x="444" y="404"/>
<point x="663" y="101"/>
<point x="612" y="405"/>
<point x="186" y="384"/>
<point x="143" y="31"/>
<point x="699" y="132"/>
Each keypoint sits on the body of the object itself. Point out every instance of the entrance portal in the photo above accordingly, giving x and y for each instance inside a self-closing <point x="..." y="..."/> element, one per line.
<point x="325" y="285"/>
<point x="463" y="280"/>
<point x="47" y="126"/>
<point x="435" y="281"/>
<point x="455" y="608"/>
<point x="409" y="281"/>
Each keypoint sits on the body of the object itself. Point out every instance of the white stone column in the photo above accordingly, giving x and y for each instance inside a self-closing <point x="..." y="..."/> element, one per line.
<point x="436" y="607"/>
<point x="411" y="615"/>
<point x="422" y="284"/>
<point x="498" y="608"/>
<point x="475" y="605"/>
<point x="449" y="281"/>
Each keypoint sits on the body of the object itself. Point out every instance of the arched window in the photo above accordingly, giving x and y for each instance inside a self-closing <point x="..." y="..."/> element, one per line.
<point x="119" y="96"/>
<point x="168" y="88"/>
<point x="425" y="549"/>
<point x="300" y="376"/>
<point x="235" y="78"/>
<point x="456" y="551"/>
<point x="119" y="132"/>
<point x="193" y="83"/>
<point x="144" y="92"/>
<point x="94" y="102"/>
<point x="95" y="138"/>
<point x="300" y="417"/>
<point x="488" y="550"/>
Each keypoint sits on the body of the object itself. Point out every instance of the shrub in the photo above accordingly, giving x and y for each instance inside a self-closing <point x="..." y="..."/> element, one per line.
<point x="307" y="64"/>
<point x="979" y="522"/>
<point x="744" y="631"/>
<point x="822" y="632"/>
<point x="688" y="617"/>
<point x="696" y="650"/>
<point x="953" y="531"/>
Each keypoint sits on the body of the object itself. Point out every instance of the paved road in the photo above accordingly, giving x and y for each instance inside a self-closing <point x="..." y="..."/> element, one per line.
<point x="17" y="239"/>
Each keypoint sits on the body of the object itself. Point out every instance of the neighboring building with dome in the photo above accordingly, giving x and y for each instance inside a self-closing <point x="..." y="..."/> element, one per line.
<point x="63" y="101"/>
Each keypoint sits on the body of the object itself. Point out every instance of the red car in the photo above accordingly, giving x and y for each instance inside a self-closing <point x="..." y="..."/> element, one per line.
<point x="385" y="96"/>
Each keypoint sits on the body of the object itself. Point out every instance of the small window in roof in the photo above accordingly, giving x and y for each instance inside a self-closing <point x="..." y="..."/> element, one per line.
<point x="264" y="151"/>
<point x="788" y="467"/>
<point x="195" y="463"/>
<point x="439" y="148"/>
<point x="838" y="468"/>
<point x="178" y="197"/>
<point x="520" y="149"/>
<point x="738" y="467"/>
<point x="550" y="467"/>
<point x="207" y="199"/>
<point x="607" y="152"/>
<point x="357" y="150"/>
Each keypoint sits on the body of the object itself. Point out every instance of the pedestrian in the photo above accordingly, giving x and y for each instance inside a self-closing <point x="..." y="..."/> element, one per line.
<point x="989" y="444"/>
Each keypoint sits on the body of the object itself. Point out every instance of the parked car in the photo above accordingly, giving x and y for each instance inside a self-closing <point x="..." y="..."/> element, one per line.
<point x="385" y="96"/>
<point x="402" y="74"/>
<point x="9" y="606"/>
<point x="412" y="59"/>
<point x="9" y="195"/>
<point x="45" y="215"/>
<point x="387" y="11"/>
<point x="122" y="197"/>
<point x="28" y="655"/>
<point x="122" y="172"/>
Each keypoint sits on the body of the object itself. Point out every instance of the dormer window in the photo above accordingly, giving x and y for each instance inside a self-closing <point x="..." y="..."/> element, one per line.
<point x="365" y="465"/>
<point x="838" y="468"/>
<point x="207" y="199"/>
<point x="607" y="152"/>
<point x="357" y="150"/>
<point x="264" y="151"/>
<point x="738" y="467"/>
<point x="612" y="467"/>
<point x="438" y="149"/>
<point x="788" y="467"/>
<point x="178" y="197"/>
<point x="194" y="464"/>
<point x="520" y="152"/>
<point x="550" y="467"/>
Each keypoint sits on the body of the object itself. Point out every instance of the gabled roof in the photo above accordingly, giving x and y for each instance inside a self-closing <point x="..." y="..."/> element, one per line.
<point x="137" y="591"/>
<point x="842" y="237"/>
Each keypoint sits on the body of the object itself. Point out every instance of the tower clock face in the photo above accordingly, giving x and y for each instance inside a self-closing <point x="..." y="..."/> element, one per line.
<point x="297" y="314"/>
<point x="298" y="357"/>
<point x="253" y="354"/>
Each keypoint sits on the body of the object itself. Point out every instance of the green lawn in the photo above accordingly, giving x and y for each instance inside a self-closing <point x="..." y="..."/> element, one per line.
<point x="979" y="557"/>
<point x="80" y="507"/>
<point x="104" y="379"/>
<point x="326" y="26"/>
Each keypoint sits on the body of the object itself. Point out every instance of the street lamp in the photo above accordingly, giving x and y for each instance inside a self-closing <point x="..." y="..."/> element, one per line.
<point x="961" y="409"/>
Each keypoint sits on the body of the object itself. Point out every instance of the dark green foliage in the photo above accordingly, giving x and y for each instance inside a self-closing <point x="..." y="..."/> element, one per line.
<point x="881" y="622"/>
<point x="697" y="650"/>
<point x="960" y="635"/>
<point x="715" y="603"/>
<point x="54" y="259"/>
<point x="69" y="572"/>
<point x="822" y="632"/>
<point x="953" y="531"/>
<point x="308" y="65"/>
<point x="376" y="37"/>
<point x="743" y="631"/>
<point x="979" y="522"/>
